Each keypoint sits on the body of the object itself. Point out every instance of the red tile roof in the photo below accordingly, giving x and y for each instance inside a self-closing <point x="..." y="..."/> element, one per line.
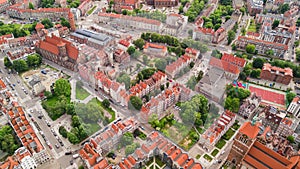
<point x="124" y="42"/>
<point x="39" y="26"/>
<point x="250" y="130"/>
<point x="205" y="30"/>
<point x="262" y="42"/>
<point x="152" y="45"/>
<point x="226" y="66"/>
<point x="234" y="60"/>
<point x="101" y="165"/>
<point x="51" y="44"/>
<point x="267" y="157"/>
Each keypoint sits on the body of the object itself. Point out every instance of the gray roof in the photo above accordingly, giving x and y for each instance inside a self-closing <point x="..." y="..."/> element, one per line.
<point x="95" y="37"/>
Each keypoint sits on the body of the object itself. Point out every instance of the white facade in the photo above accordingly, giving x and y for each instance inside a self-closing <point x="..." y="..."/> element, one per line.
<point x="28" y="163"/>
<point x="294" y="108"/>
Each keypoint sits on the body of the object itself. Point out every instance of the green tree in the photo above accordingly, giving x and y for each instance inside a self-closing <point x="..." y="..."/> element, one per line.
<point x="145" y="59"/>
<point x="180" y="9"/>
<point x="250" y="48"/>
<point x="30" y="5"/>
<point x="291" y="139"/>
<point x="47" y="23"/>
<point x="297" y="55"/>
<point x="131" y="50"/>
<point x="230" y="36"/>
<point x="34" y="60"/>
<point x="7" y="62"/>
<point x="191" y="83"/>
<point x="290" y="96"/>
<point x="275" y="24"/>
<point x="106" y="103"/>
<point x="7" y="141"/>
<point x="270" y="52"/>
<point x="75" y="121"/>
<point x="232" y="104"/>
<point x="135" y="103"/>
<point x="216" y="53"/>
<point x="20" y="66"/>
<point x="124" y="78"/>
<point x="283" y="8"/>
<point x="81" y="167"/>
<point x="62" y="87"/>
<point x="70" y="109"/>
<point x="63" y="131"/>
<point x="126" y="139"/>
<point x="65" y="22"/>
<point x="258" y="63"/>
<point x="161" y="64"/>
<point x="72" y="138"/>
<point x="139" y="43"/>
<point x="255" y="73"/>
<point x="124" y="12"/>
<point x="243" y="31"/>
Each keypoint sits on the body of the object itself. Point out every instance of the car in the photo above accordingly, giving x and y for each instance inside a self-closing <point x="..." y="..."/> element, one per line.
<point x="54" y="134"/>
<point x="68" y="153"/>
<point x="40" y="116"/>
<point x="57" y="146"/>
<point x="48" y="124"/>
<point x="219" y="161"/>
<point x="62" y="144"/>
<point x="71" y="162"/>
<point x="222" y="152"/>
<point x="50" y="146"/>
<point x="142" y="127"/>
<point x="52" y="130"/>
<point x="29" y="115"/>
<point x="14" y="85"/>
<point x="18" y="81"/>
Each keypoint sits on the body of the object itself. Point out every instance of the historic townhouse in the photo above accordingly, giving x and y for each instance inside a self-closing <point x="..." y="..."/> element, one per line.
<point x="276" y="74"/>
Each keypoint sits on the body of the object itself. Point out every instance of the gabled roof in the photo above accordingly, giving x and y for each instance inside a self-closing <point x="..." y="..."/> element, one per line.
<point x="234" y="60"/>
<point x="250" y="130"/>
<point x="226" y="66"/>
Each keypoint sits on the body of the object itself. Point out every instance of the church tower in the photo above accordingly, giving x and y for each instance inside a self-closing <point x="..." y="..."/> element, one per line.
<point x="72" y="21"/>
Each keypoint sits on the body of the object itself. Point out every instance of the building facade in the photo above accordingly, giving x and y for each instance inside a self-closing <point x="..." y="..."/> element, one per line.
<point x="59" y="51"/>
<point x="276" y="74"/>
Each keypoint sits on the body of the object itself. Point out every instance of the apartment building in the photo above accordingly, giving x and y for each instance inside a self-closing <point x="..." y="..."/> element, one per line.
<point x="255" y="6"/>
<point x="240" y="62"/>
<point x="249" y="106"/>
<point x="162" y="3"/>
<point x="192" y="53"/>
<point x="133" y="22"/>
<point x="85" y="6"/>
<point x="174" y="24"/>
<point x="294" y="107"/>
<point x="213" y="134"/>
<point x="160" y="103"/>
<point x="155" y="50"/>
<point x="262" y="46"/>
<point x="4" y="4"/>
<point x="175" y="67"/>
<point x="59" y="51"/>
<point x="276" y="74"/>
<point x="209" y="35"/>
<point x="271" y="117"/>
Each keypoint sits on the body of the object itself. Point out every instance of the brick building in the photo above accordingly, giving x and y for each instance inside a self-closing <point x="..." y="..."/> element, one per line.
<point x="262" y="46"/>
<point x="119" y="5"/>
<point x="162" y="3"/>
<point x="155" y="50"/>
<point x="255" y="6"/>
<point x="276" y="74"/>
<point x="249" y="150"/>
<point x="175" y="67"/>
<point x="59" y="51"/>
<point x="85" y="6"/>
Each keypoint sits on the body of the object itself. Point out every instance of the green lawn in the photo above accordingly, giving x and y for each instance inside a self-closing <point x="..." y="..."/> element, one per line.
<point x="51" y="105"/>
<point x="207" y="157"/>
<point x="198" y="156"/>
<point x="228" y="134"/>
<point x="101" y="107"/>
<point x="91" y="10"/>
<point x="81" y="93"/>
<point x="252" y="26"/>
<point x="215" y="152"/>
<point x="220" y="143"/>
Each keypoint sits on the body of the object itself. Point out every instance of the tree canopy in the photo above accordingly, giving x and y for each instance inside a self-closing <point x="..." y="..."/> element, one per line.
<point x="47" y="23"/>
<point x="124" y="78"/>
<point x="135" y="103"/>
<point x="161" y="64"/>
<point x="250" y="48"/>
<point x="139" y="43"/>
<point x="62" y="87"/>
<point x="258" y="63"/>
<point x="8" y="142"/>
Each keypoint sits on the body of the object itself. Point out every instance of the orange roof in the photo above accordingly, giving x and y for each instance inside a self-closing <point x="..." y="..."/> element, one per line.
<point x="267" y="157"/>
<point x="39" y="26"/>
<point x="205" y="30"/>
<point x="101" y="165"/>
<point x="2" y="84"/>
<point x="152" y="45"/>
<point x="124" y="42"/>
<point x="181" y="160"/>
<point x="250" y="130"/>
<point x="234" y="60"/>
<point x="263" y="42"/>
<point x="226" y="66"/>
<point x="10" y="163"/>
<point x="287" y="71"/>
